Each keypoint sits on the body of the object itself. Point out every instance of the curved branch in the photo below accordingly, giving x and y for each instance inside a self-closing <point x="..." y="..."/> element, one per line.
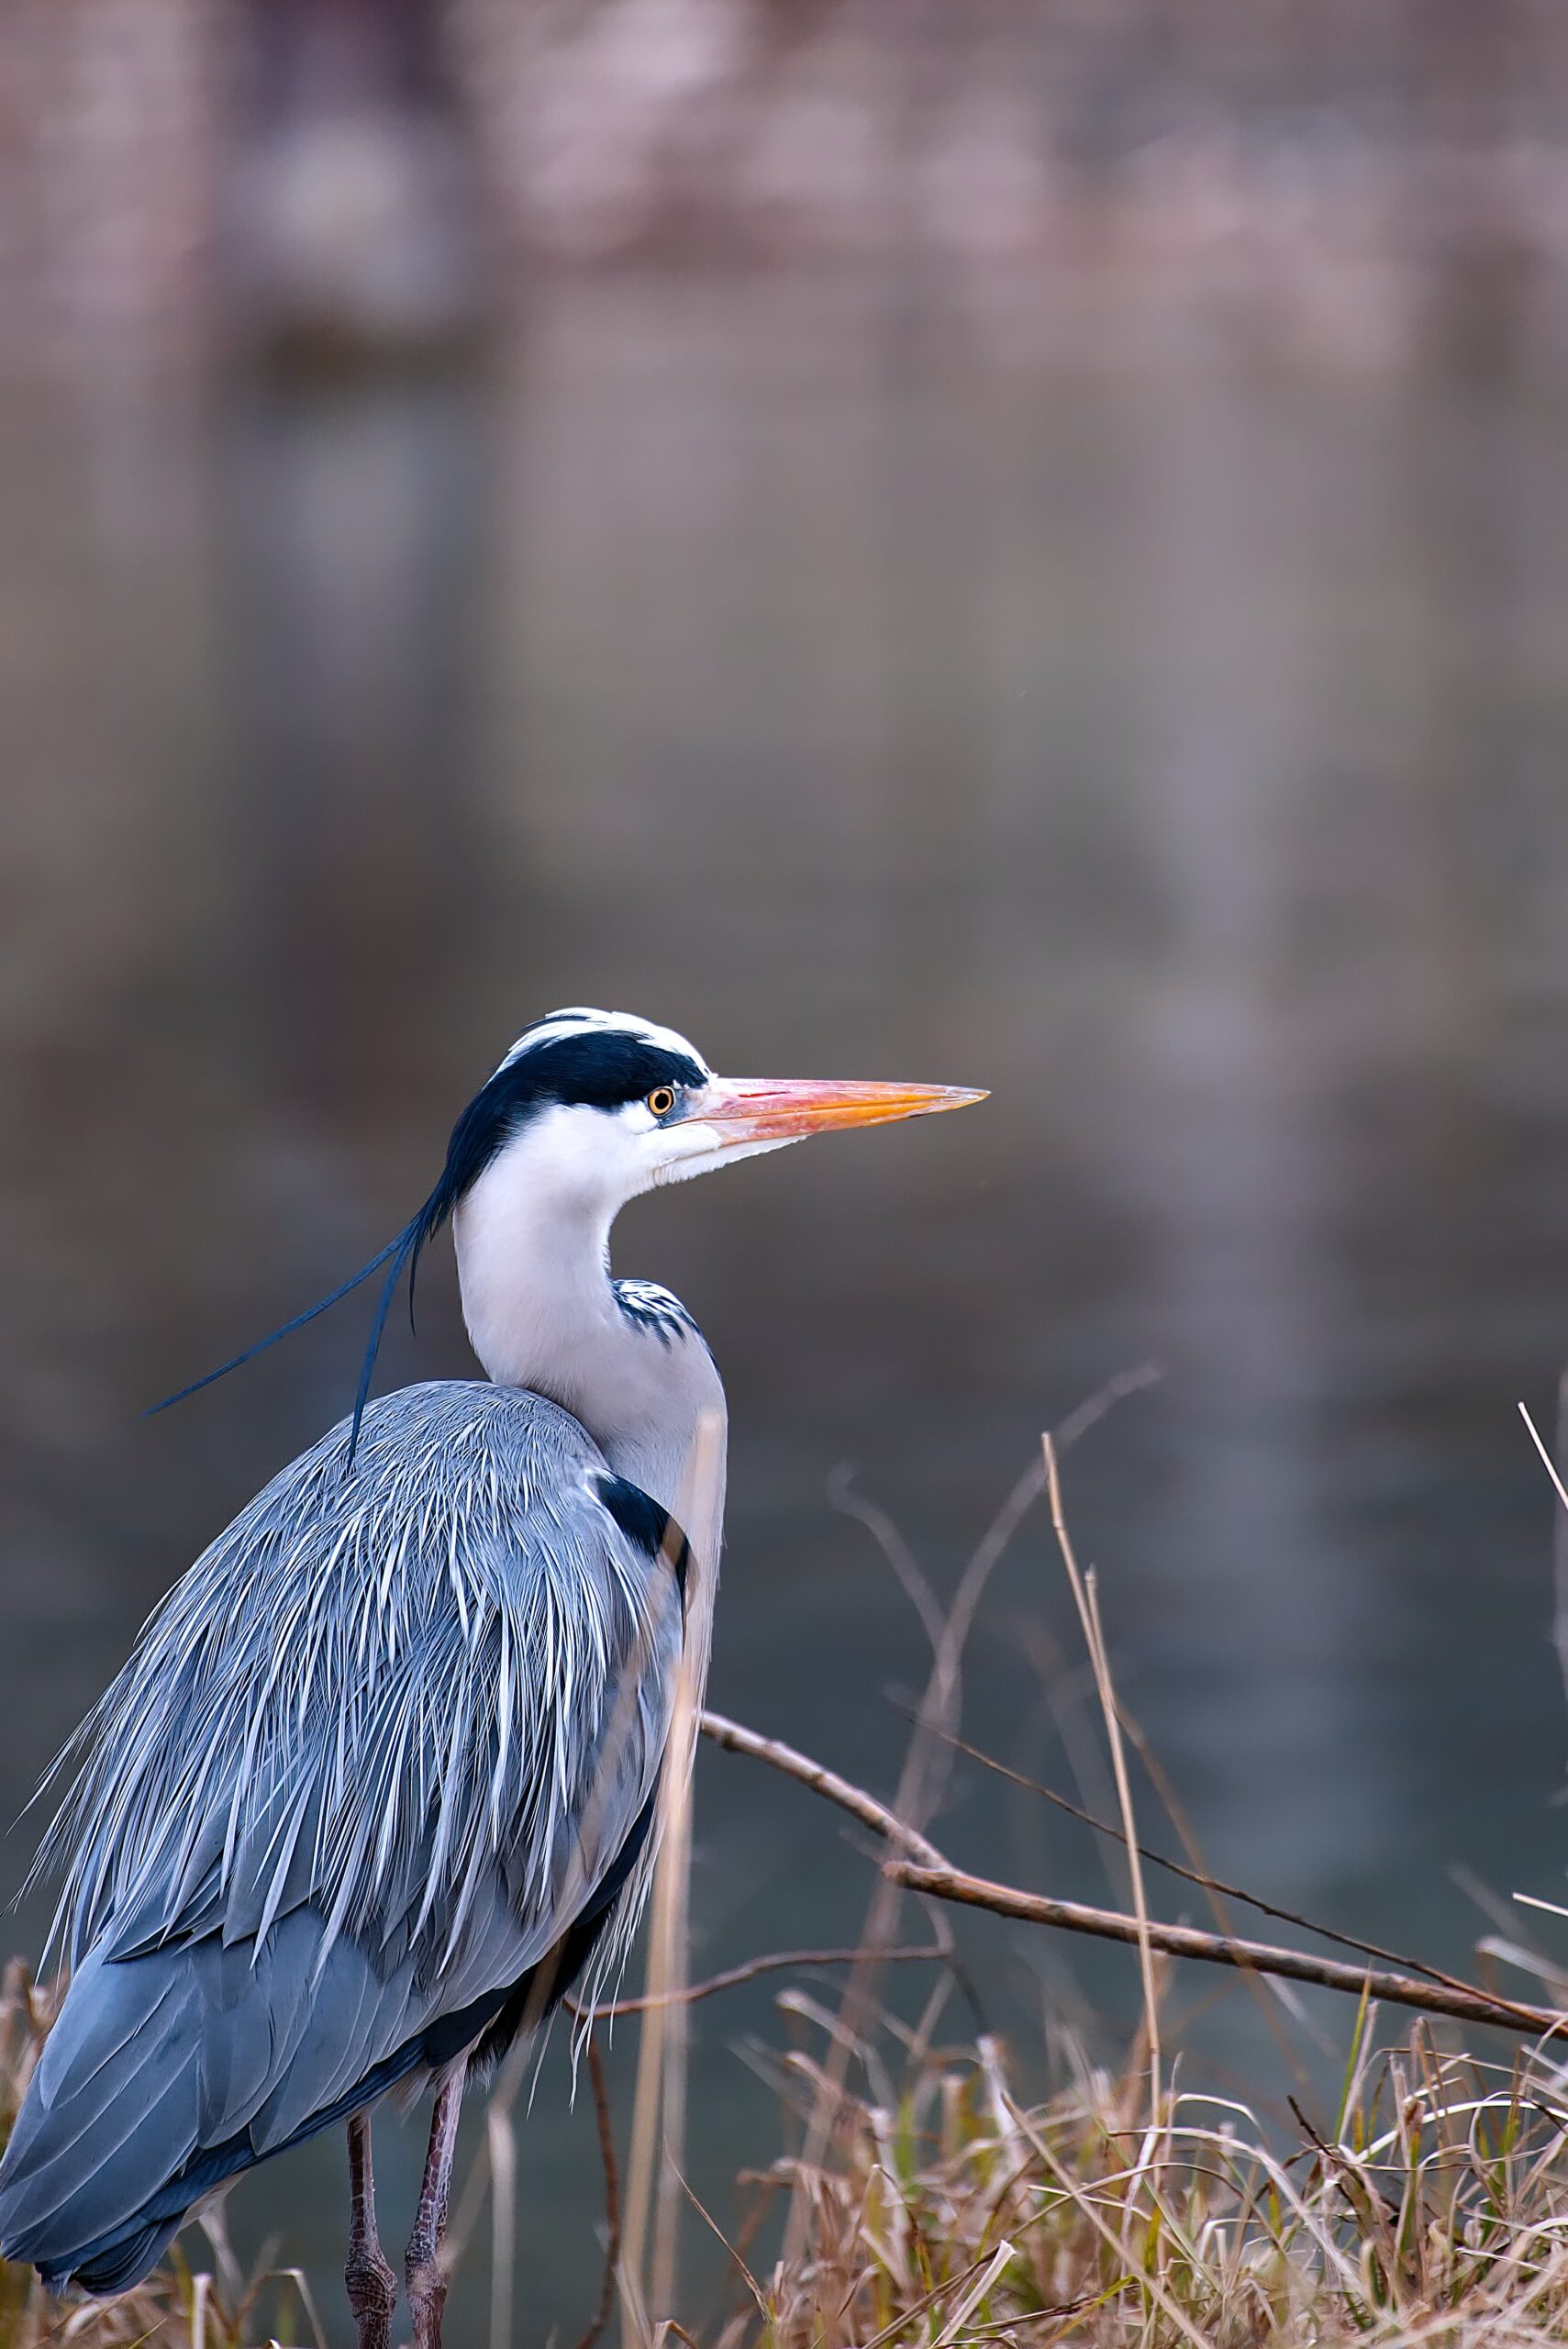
<point x="928" y="1871"/>
<point x="1225" y="1949"/>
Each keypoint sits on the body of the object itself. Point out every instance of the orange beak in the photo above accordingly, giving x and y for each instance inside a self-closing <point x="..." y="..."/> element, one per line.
<point x="747" y="1109"/>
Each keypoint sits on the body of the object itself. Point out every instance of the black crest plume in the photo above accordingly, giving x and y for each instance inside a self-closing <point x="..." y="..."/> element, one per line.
<point x="476" y="1137"/>
<point x="598" y="1069"/>
<point x="404" y="1251"/>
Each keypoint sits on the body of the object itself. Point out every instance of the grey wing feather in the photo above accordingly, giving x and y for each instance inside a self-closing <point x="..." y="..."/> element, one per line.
<point x="370" y="1759"/>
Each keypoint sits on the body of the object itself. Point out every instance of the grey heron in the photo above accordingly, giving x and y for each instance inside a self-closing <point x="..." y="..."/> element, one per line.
<point x="378" y="1781"/>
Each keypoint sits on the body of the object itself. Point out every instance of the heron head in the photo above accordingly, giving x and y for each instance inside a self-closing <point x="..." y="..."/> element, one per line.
<point x="589" y="1108"/>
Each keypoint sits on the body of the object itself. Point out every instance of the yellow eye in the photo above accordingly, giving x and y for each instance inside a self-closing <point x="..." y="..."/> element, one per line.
<point x="661" y="1100"/>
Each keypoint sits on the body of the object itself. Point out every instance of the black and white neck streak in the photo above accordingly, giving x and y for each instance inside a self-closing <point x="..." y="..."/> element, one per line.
<point x="542" y="1311"/>
<point x="588" y="1110"/>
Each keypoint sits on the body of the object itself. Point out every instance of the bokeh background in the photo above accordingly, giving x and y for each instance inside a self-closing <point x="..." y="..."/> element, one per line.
<point x="1017" y="544"/>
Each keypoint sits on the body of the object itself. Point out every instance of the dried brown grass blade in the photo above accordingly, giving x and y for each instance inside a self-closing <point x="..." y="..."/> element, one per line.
<point x="650" y="2240"/>
<point x="1086" y="1596"/>
<point x="503" y="2141"/>
<point x="606" y="2301"/>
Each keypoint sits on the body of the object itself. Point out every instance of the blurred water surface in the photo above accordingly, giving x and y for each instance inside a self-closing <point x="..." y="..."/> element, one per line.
<point x="1167" y="736"/>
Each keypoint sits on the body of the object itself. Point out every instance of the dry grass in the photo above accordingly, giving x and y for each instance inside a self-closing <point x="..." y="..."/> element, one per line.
<point x="950" y="2212"/>
<point x="1433" y="2208"/>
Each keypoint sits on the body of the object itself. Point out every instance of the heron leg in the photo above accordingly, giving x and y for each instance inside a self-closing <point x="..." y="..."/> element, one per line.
<point x="372" y="2286"/>
<point x="422" y="2264"/>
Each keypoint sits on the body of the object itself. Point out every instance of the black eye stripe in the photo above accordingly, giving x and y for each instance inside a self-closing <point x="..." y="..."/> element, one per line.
<point x="603" y="1071"/>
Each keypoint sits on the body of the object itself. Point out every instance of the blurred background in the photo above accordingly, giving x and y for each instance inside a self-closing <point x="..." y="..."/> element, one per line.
<point x="1023" y="545"/>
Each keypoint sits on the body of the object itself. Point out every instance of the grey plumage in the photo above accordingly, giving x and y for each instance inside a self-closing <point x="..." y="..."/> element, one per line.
<point x="380" y="1778"/>
<point x="390" y="1743"/>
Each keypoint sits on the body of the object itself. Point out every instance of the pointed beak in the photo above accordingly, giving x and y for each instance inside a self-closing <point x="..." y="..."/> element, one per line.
<point x="745" y="1111"/>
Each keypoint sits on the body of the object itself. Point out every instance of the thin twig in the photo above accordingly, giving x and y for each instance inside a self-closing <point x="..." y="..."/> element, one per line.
<point x="1087" y="1598"/>
<point x="706" y="2215"/>
<point x="775" y="1961"/>
<point x="921" y="1785"/>
<point x="885" y="1532"/>
<point x="919" y="1793"/>
<point x="1093" y="1409"/>
<point x="1210" y="1883"/>
<point x="601" y="2315"/>
<point x="1219" y="1917"/>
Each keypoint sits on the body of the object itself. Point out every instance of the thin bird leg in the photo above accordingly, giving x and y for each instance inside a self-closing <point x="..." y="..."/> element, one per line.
<point x="372" y="2286"/>
<point x="423" y="2266"/>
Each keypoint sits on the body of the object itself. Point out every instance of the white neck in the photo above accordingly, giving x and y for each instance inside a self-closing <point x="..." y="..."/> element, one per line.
<point x="542" y="1313"/>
